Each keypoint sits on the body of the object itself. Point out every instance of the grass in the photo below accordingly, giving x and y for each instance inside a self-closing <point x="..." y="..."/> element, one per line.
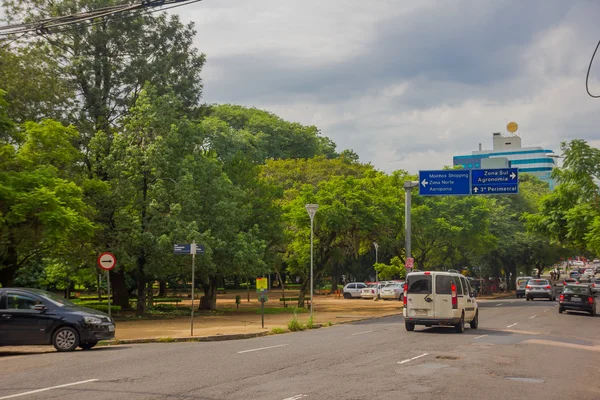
<point x="280" y="310"/>
<point x="295" y="325"/>
<point x="310" y="324"/>
<point x="277" y="331"/>
<point x="328" y="323"/>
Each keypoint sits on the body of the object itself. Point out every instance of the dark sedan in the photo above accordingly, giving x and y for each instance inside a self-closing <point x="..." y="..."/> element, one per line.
<point x="577" y="297"/>
<point x="36" y="317"/>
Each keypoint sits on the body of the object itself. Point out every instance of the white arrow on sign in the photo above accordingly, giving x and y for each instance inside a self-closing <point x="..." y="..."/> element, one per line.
<point x="475" y="189"/>
<point x="513" y="176"/>
<point x="424" y="183"/>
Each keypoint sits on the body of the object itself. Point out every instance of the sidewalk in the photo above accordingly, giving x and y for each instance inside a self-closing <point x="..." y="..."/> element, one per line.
<point x="248" y="319"/>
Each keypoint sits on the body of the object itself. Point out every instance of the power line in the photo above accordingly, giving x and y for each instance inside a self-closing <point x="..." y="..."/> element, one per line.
<point x="587" y="77"/>
<point x="83" y="19"/>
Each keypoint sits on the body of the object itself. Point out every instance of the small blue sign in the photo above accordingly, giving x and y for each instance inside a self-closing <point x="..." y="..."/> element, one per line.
<point x="495" y="181"/>
<point x="444" y="182"/>
<point x="187" y="249"/>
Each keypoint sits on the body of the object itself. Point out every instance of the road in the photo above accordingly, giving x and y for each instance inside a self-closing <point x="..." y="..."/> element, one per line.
<point x="523" y="350"/>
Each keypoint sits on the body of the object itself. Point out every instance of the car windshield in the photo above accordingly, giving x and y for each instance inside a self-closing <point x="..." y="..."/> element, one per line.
<point x="577" y="290"/>
<point x="55" y="299"/>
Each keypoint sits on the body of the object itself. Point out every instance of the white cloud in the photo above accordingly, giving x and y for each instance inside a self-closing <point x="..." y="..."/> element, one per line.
<point x="409" y="84"/>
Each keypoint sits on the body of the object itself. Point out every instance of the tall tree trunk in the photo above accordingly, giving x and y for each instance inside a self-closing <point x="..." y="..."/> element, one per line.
<point x="150" y="296"/>
<point x="303" y="289"/>
<point x="141" y="260"/>
<point x="209" y="300"/>
<point x="118" y="289"/>
<point x="162" y="288"/>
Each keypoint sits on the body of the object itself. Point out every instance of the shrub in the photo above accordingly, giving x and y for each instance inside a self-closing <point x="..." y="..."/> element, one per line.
<point x="103" y="307"/>
<point x="295" y="325"/>
<point x="310" y="324"/>
<point x="278" y="330"/>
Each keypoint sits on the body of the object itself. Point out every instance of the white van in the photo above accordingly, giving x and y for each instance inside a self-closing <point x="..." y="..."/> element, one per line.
<point x="439" y="298"/>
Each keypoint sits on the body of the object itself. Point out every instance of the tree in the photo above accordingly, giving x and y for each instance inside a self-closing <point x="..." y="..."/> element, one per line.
<point x="42" y="211"/>
<point x="570" y="215"/>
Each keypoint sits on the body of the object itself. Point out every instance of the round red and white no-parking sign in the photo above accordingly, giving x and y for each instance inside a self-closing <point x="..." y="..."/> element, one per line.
<point x="107" y="261"/>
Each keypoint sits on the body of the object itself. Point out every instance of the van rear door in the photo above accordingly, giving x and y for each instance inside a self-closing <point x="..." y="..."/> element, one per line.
<point x="443" y="296"/>
<point x="419" y="298"/>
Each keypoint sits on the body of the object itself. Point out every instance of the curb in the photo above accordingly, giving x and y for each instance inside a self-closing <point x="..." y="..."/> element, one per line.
<point x="220" y="338"/>
<point x="213" y="338"/>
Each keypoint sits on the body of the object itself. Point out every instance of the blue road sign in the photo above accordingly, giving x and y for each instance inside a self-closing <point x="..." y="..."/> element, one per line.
<point x="495" y="181"/>
<point x="187" y="249"/>
<point x="444" y="182"/>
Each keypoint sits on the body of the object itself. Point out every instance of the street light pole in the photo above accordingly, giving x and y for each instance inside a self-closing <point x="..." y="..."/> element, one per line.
<point x="312" y="210"/>
<point x="376" y="274"/>
<point x="408" y="185"/>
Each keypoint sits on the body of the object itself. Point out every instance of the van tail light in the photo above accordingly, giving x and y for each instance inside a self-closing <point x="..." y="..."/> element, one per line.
<point x="562" y="297"/>
<point x="527" y="287"/>
<point x="405" y="294"/>
<point x="454" y="297"/>
<point x="548" y="287"/>
<point x="591" y="300"/>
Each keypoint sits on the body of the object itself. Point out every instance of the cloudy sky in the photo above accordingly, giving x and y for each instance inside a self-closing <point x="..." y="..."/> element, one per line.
<point x="408" y="84"/>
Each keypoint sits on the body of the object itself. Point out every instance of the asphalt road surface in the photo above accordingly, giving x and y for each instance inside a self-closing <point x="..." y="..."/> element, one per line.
<point x="523" y="350"/>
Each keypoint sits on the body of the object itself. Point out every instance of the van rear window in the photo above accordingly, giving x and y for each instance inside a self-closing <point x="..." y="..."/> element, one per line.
<point x="420" y="284"/>
<point x="443" y="284"/>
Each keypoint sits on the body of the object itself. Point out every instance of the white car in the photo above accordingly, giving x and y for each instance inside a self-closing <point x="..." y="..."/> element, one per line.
<point x="353" y="289"/>
<point x="393" y="291"/>
<point x="589" y="273"/>
<point x="439" y="298"/>
<point x="371" y="291"/>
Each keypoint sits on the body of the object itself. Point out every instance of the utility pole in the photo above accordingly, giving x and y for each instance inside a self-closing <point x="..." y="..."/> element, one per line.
<point x="408" y="185"/>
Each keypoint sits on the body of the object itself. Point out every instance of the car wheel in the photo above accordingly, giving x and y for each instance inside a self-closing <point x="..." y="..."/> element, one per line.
<point x="460" y="327"/>
<point x="475" y="322"/>
<point x="65" y="339"/>
<point x="560" y="310"/>
<point x="87" y="345"/>
<point x="409" y="326"/>
<point x="347" y="296"/>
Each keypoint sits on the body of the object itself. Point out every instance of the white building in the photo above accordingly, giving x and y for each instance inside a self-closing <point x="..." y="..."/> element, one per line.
<point x="507" y="152"/>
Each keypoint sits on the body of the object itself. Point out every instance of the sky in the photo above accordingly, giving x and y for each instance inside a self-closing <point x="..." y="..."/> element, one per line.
<point x="407" y="84"/>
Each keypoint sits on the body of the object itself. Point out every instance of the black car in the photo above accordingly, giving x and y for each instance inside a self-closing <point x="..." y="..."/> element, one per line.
<point x="577" y="297"/>
<point x="36" y="317"/>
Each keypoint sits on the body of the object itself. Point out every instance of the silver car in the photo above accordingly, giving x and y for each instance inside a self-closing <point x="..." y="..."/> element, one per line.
<point x="539" y="288"/>
<point x="393" y="291"/>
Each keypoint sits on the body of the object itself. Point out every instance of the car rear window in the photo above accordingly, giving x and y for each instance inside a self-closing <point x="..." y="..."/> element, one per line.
<point x="538" y="282"/>
<point x="443" y="284"/>
<point x="420" y="284"/>
<point x="577" y="290"/>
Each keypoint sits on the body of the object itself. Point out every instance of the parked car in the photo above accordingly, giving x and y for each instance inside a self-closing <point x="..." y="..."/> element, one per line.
<point x="353" y="289"/>
<point x="439" y="298"/>
<point x="595" y="286"/>
<point x="371" y="291"/>
<point x="394" y="291"/>
<point x="539" y="288"/>
<point x="576" y="297"/>
<point x="589" y="272"/>
<point x="37" y="317"/>
<point x="521" y="283"/>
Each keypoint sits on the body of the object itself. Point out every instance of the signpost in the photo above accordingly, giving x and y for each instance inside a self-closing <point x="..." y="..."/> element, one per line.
<point x="458" y="182"/>
<point x="107" y="261"/>
<point x="410" y="263"/>
<point x="192" y="249"/>
<point x="262" y="286"/>
<point x="444" y="182"/>
<point x="495" y="181"/>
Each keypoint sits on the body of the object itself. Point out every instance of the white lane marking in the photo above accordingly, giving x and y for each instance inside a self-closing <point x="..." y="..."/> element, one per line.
<point x="414" y="358"/>
<point x="48" y="388"/>
<point x="547" y="310"/>
<point x="510" y="326"/>
<point x="479" y="337"/>
<point x="296" y="397"/>
<point x="361" y="333"/>
<point x="533" y="316"/>
<point x="260" y="348"/>
<point x="498" y="305"/>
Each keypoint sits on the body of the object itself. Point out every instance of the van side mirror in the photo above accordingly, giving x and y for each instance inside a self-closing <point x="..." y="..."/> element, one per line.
<point x="39" y="307"/>
<point x="474" y="293"/>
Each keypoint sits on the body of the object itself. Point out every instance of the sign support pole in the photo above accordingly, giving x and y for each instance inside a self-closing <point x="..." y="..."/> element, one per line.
<point x="108" y="287"/>
<point x="193" y="251"/>
<point x="262" y="309"/>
